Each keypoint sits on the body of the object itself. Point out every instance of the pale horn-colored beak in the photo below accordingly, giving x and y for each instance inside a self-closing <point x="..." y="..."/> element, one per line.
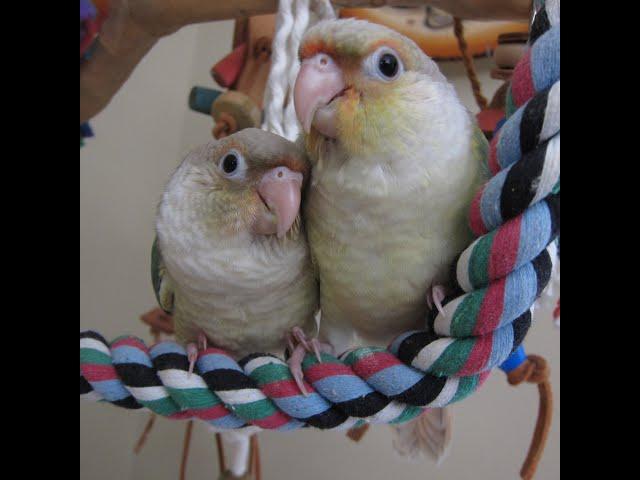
<point x="279" y="189"/>
<point x="319" y="81"/>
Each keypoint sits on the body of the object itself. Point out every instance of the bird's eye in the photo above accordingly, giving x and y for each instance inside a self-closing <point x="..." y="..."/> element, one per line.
<point x="232" y="164"/>
<point x="388" y="65"/>
<point x="384" y="64"/>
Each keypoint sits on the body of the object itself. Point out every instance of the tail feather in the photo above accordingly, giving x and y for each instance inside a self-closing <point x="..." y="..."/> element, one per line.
<point x="428" y="435"/>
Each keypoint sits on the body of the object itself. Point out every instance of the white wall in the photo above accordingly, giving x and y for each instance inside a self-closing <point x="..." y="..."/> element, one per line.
<point x="140" y="138"/>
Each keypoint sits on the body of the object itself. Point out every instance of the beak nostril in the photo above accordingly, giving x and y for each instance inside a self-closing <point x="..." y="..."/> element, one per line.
<point x="319" y="80"/>
<point x="280" y="190"/>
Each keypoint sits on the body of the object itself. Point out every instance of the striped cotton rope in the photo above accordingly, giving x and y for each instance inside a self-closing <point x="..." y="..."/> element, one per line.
<point x="518" y="210"/>
<point x="486" y="310"/>
<point x="535" y="88"/>
<point x="240" y="393"/>
<point x="368" y="385"/>
<point x="190" y="392"/>
<point x="273" y="377"/>
<point x="96" y="366"/>
<point x="133" y="365"/>
<point x="538" y="70"/>
<point x="521" y="133"/>
<point x="460" y="357"/>
<point x="516" y="187"/>
<point x="87" y="392"/>
<point x="509" y="247"/>
<point x="387" y="374"/>
<point x="337" y="382"/>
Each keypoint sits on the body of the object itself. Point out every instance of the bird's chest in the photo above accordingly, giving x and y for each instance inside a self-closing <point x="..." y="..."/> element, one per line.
<point x="378" y="252"/>
<point x="240" y="303"/>
<point x="372" y="239"/>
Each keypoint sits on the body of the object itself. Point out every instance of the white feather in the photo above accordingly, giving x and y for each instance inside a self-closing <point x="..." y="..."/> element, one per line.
<point x="428" y="435"/>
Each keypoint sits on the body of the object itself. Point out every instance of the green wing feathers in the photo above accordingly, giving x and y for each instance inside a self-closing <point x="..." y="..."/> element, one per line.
<point x="161" y="281"/>
<point x="480" y="150"/>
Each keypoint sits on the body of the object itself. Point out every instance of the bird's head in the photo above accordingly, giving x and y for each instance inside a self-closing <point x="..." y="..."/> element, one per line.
<point x="364" y="86"/>
<point x="247" y="183"/>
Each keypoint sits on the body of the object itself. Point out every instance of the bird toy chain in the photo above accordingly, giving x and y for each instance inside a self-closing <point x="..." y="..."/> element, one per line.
<point x="516" y="216"/>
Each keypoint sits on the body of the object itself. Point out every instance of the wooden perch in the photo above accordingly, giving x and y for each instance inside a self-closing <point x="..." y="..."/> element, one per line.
<point x="134" y="26"/>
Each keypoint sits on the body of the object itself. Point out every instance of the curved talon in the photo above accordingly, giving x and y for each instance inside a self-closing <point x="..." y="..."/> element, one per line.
<point x="295" y="365"/>
<point x="439" y="306"/>
<point x="299" y="351"/>
<point x="194" y="347"/>
<point x="202" y="341"/>
<point x="192" y="355"/>
<point x="435" y="297"/>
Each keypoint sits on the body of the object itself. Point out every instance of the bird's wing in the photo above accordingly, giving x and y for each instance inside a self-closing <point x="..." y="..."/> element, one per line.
<point x="162" y="285"/>
<point x="480" y="150"/>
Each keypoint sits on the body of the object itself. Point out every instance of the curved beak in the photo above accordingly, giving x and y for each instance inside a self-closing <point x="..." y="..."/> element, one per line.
<point x="319" y="81"/>
<point x="279" y="189"/>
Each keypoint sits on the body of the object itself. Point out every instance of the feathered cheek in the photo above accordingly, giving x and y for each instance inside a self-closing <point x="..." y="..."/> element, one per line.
<point x="366" y="126"/>
<point x="239" y="214"/>
<point x="348" y="122"/>
<point x="253" y="208"/>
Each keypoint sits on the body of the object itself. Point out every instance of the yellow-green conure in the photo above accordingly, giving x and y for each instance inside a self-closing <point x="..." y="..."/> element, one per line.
<point x="396" y="159"/>
<point x="230" y="261"/>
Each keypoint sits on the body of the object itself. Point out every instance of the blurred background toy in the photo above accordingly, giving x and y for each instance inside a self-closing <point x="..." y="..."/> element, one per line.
<point x="92" y="15"/>
<point x="439" y="34"/>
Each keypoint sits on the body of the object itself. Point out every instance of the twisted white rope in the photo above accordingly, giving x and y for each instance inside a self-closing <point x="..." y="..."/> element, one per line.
<point x="292" y="20"/>
<point x="290" y="121"/>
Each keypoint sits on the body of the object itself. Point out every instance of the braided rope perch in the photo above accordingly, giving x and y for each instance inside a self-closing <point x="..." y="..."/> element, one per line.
<point x="368" y="385"/>
<point x="517" y="214"/>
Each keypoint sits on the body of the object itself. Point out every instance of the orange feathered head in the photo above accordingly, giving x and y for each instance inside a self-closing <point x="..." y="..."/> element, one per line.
<point x="359" y="83"/>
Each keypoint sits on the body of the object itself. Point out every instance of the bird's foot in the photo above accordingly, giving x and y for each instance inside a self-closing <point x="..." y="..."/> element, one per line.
<point x="194" y="348"/>
<point x="299" y="345"/>
<point x="435" y="296"/>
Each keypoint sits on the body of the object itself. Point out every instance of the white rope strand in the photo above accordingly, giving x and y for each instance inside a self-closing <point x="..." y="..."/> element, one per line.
<point x="292" y="21"/>
<point x="301" y="21"/>
<point x="275" y="92"/>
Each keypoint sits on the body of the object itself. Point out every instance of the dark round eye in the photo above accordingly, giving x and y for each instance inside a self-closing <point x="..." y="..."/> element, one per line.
<point x="230" y="163"/>
<point x="388" y="65"/>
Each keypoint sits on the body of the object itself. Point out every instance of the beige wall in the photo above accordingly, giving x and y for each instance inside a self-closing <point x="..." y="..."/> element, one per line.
<point x="140" y="137"/>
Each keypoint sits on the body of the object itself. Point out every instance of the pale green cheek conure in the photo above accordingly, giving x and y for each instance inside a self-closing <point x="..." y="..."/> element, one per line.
<point x="396" y="159"/>
<point x="230" y="261"/>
